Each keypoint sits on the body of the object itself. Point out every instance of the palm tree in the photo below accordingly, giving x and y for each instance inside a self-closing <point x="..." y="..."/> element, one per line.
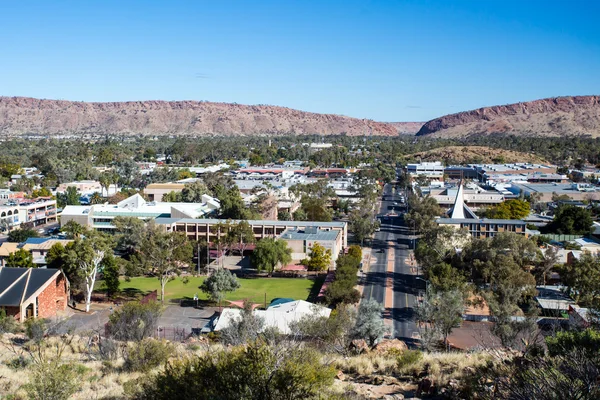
<point x="96" y="198"/>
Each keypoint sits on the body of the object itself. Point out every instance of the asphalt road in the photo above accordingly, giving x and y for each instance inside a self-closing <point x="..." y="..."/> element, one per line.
<point x="394" y="238"/>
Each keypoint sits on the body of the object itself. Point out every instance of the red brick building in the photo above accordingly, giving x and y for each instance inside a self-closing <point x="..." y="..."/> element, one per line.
<point x="33" y="292"/>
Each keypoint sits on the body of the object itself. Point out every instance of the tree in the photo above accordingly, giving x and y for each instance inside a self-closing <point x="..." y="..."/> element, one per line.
<point x="69" y="198"/>
<point x="546" y="261"/>
<point x="96" y="198"/>
<point x="355" y="251"/>
<point x="55" y="257"/>
<point x="245" y="329"/>
<point x="105" y="180"/>
<point x="284" y="216"/>
<point x="241" y="235"/>
<point x="362" y="220"/>
<point x="219" y="283"/>
<point x="90" y="253"/>
<point x="20" y="259"/>
<point x="73" y="230"/>
<point x="319" y="258"/>
<point x="110" y="274"/>
<point x="571" y="220"/>
<point x="443" y="310"/>
<point x="172" y="197"/>
<point x="21" y="235"/>
<point x="582" y="279"/>
<point x="509" y="209"/>
<point x="342" y="289"/>
<point x="300" y="215"/>
<point x="422" y="213"/>
<point x="164" y="254"/>
<point x="130" y="234"/>
<point x="269" y="253"/>
<point x="314" y="200"/>
<point x="369" y="322"/>
<point x="192" y="192"/>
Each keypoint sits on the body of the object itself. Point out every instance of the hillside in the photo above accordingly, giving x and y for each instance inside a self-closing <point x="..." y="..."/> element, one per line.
<point x="407" y="128"/>
<point x="560" y="116"/>
<point x="22" y="115"/>
<point x="474" y="154"/>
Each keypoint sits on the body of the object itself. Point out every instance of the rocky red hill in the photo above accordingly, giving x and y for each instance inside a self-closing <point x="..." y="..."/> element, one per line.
<point x="22" y="115"/>
<point x="573" y="115"/>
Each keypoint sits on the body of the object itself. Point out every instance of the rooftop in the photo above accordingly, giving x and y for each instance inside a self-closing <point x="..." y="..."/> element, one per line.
<point x="309" y="233"/>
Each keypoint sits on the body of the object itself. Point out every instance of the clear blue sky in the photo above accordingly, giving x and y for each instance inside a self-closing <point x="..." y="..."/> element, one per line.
<point x="386" y="60"/>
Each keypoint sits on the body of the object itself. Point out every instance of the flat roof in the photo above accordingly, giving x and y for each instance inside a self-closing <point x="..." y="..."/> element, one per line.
<point x="314" y="234"/>
<point x="546" y="187"/>
<point x="169" y="221"/>
<point x="479" y="221"/>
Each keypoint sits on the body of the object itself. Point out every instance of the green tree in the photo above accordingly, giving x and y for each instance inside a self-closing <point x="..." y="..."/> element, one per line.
<point x="284" y="216"/>
<point x="369" y="322"/>
<point x="21" y="235"/>
<point x="509" y="209"/>
<point x="582" y="279"/>
<point x="571" y="220"/>
<point x="20" y="259"/>
<point x="110" y="274"/>
<point x="422" y="213"/>
<point x="342" y="289"/>
<point x="192" y="192"/>
<point x="300" y="215"/>
<point x="89" y="254"/>
<point x="69" y="198"/>
<point x="362" y="220"/>
<point x="172" y="197"/>
<point x="73" y="230"/>
<point x="269" y="253"/>
<point x="355" y="251"/>
<point x="130" y="232"/>
<point x="219" y="283"/>
<point x="95" y="198"/>
<point x="442" y="310"/>
<point x="165" y="253"/>
<point x="319" y="258"/>
<point x="241" y="235"/>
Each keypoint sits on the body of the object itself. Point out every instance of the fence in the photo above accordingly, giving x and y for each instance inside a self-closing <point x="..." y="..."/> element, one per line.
<point x="171" y="333"/>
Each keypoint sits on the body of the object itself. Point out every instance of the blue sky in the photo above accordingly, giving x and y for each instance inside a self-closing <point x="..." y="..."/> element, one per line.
<point x="386" y="60"/>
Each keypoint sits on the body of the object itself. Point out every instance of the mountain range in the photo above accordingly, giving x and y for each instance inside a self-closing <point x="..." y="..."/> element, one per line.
<point x="560" y="116"/>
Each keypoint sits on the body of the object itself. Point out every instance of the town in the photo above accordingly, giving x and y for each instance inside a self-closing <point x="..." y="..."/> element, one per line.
<point x="403" y="256"/>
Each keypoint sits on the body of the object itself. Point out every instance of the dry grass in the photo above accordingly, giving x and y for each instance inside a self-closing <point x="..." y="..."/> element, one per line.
<point x="103" y="379"/>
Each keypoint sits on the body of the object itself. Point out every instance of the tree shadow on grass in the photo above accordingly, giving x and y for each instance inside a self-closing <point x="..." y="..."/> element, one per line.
<point x="313" y="292"/>
<point x="133" y="293"/>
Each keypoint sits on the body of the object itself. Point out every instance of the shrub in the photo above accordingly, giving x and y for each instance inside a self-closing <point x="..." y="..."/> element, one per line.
<point x="53" y="381"/>
<point x="147" y="354"/>
<point x="35" y="328"/>
<point x="108" y="349"/>
<point x="134" y="321"/>
<point x="18" y="363"/>
<point x="408" y="358"/>
<point x="7" y="323"/>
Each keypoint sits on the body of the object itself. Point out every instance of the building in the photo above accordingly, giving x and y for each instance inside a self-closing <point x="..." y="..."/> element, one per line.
<point x="206" y="229"/>
<point x="7" y="194"/>
<point x="545" y="191"/>
<point x="38" y="247"/>
<point x="474" y="196"/>
<point x="495" y="173"/>
<point x="156" y="191"/>
<point x="33" y="292"/>
<point x="268" y="173"/>
<point x="82" y="187"/>
<point x="459" y="172"/>
<point x="579" y="317"/>
<point x="28" y="212"/>
<point x="278" y="315"/>
<point x="100" y="216"/>
<point x="431" y="170"/>
<point x="462" y="217"/>
<point x="302" y="240"/>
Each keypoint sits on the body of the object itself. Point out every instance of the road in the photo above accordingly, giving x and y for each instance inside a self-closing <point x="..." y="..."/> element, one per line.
<point x="391" y="249"/>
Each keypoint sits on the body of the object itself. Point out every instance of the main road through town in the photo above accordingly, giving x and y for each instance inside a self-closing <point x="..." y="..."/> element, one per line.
<point x="391" y="277"/>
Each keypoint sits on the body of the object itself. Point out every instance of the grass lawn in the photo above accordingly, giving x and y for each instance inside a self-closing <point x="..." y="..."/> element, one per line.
<point x="253" y="289"/>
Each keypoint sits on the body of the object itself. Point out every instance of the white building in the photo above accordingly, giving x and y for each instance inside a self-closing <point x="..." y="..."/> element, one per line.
<point x="431" y="170"/>
<point x="278" y="316"/>
<point x="100" y="216"/>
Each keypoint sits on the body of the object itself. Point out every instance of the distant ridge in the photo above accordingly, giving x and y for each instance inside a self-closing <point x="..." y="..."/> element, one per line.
<point x="25" y="115"/>
<point x="558" y="116"/>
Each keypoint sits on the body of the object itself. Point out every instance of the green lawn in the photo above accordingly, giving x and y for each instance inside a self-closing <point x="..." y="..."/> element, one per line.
<point x="253" y="289"/>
